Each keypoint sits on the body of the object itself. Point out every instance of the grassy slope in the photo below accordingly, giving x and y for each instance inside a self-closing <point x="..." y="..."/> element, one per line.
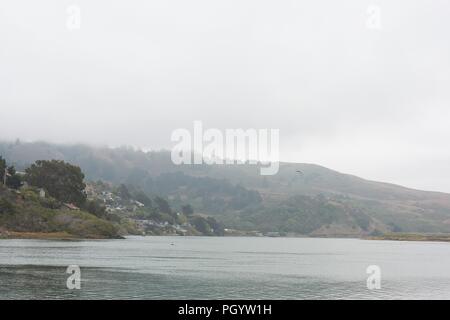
<point x="24" y="213"/>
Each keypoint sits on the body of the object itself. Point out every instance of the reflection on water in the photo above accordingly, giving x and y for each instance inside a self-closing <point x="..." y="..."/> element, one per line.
<point x="223" y="268"/>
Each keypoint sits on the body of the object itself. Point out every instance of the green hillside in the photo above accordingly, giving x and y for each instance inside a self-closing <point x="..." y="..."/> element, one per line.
<point x="300" y="199"/>
<point x="25" y="212"/>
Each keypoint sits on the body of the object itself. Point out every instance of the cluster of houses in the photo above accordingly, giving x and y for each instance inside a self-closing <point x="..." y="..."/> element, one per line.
<point x="150" y="224"/>
<point x="113" y="202"/>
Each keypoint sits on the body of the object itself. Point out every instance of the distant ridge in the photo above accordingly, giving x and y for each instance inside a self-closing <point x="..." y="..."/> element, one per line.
<point x="319" y="201"/>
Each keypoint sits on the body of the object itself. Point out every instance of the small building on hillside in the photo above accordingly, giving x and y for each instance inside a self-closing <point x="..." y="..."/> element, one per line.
<point x="70" y="206"/>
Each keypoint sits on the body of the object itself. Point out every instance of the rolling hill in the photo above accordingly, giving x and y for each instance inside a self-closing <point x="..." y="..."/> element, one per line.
<point x="301" y="199"/>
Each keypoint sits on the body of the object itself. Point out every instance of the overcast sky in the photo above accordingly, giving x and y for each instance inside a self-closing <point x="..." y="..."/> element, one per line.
<point x="349" y="89"/>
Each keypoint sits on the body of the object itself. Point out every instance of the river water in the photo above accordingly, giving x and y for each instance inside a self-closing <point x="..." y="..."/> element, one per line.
<point x="224" y="268"/>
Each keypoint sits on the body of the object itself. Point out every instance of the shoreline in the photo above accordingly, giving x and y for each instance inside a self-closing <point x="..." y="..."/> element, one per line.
<point x="412" y="237"/>
<point x="64" y="236"/>
<point x="9" y="235"/>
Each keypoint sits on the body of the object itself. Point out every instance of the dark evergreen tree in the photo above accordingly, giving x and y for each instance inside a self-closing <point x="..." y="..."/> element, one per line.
<point x="61" y="180"/>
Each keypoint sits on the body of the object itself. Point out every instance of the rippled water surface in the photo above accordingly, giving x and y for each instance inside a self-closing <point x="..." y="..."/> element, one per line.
<point x="229" y="268"/>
